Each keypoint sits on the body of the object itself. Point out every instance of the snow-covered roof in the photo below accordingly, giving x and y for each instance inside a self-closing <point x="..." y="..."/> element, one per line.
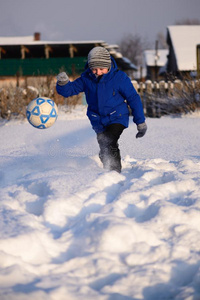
<point x="184" y="40"/>
<point x="16" y="40"/>
<point x="29" y="40"/>
<point x="150" y="56"/>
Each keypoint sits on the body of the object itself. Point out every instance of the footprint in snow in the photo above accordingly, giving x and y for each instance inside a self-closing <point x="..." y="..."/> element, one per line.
<point x="42" y="190"/>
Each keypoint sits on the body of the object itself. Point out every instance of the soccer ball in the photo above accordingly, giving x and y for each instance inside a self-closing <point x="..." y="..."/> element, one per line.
<point x="42" y="112"/>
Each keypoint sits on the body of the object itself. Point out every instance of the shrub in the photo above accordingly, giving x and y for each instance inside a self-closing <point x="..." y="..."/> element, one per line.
<point x="13" y="100"/>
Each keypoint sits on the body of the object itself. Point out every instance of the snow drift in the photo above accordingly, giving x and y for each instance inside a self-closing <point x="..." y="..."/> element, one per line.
<point x="70" y="230"/>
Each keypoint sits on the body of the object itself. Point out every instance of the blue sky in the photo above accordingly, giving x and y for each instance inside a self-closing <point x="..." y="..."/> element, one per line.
<point x="108" y="20"/>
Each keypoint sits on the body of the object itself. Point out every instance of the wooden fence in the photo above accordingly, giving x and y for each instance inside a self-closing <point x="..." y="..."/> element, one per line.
<point x="162" y="97"/>
<point x="158" y="98"/>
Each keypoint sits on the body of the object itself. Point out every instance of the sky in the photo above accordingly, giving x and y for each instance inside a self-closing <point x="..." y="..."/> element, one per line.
<point x="107" y="20"/>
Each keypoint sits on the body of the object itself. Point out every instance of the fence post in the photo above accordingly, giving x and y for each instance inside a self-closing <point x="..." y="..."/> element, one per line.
<point x="162" y="88"/>
<point x="141" y="89"/>
<point x="157" y="108"/>
<point x="148" y="97"/>
<point x="170" y="89"/>
<point x="178" y="86"/>
<point x="135" y="84"/>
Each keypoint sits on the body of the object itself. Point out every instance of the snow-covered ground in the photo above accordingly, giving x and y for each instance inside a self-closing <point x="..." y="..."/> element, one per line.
<point x="70" y="230"/>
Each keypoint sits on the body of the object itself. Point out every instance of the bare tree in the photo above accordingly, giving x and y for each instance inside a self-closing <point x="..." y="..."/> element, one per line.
<point x="188" y="22"/>
<point x="162" y="43"/>
<point x="132" y="47"/>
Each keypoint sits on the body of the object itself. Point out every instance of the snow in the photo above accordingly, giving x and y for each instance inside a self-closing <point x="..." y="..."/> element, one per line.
<point x="15" y="40"/>
<point x="185" y="40"/>
<point x="29" y="40"/>
<point x="71" y="230"/>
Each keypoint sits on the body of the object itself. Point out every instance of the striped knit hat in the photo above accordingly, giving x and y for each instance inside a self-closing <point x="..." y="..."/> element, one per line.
<point x="99" y="57"/>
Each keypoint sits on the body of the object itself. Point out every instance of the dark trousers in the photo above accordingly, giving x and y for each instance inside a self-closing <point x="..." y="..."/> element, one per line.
<point x="109" y="148"/>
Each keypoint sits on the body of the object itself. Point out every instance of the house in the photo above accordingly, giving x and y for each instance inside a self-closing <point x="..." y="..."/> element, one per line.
<point x="30" y="56"/>
<point x="182" y="41"/>
<point x="154" y="61"/>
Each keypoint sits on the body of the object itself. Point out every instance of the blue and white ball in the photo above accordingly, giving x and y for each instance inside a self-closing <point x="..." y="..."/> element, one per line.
<point x="42" y="112"/>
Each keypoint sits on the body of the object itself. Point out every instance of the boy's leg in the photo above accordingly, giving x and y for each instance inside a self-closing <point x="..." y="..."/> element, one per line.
<point x="109" y="148"/>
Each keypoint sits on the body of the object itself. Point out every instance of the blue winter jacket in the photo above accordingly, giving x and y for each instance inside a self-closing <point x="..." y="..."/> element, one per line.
<point x="107" y="98"/>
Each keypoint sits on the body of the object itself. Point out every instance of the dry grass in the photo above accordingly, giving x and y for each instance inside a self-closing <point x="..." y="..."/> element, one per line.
<point x="180" y="97"/>
<point x="14" y="100"/>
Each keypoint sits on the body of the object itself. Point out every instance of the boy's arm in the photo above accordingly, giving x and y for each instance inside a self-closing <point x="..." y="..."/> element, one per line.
<point x="134" y="101"/>
<point x="68" y="88"/>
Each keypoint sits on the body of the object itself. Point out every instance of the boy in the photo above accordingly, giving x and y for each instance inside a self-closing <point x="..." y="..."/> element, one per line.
<point x="108" y="92"/>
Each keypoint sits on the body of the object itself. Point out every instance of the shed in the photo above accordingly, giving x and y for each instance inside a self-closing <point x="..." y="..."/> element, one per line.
<point x="31" y="56"/>
<point x="154" y="61"/>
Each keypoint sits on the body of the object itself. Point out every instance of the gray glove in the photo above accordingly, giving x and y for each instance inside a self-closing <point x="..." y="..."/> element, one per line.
<point x="142" y="128"/>
<point x="62" y="78"/>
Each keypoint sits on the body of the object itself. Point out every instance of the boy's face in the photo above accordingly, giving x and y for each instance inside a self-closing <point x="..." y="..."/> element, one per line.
<point x="99" y="71"/>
